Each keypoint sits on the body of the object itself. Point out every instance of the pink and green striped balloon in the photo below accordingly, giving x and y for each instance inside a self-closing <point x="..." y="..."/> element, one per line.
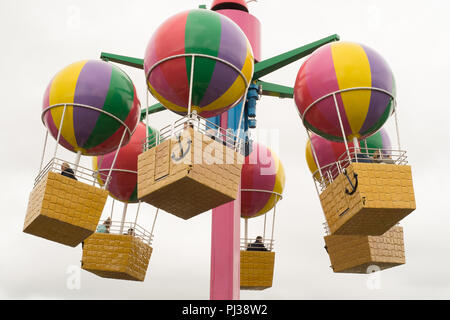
<point x="328" y="152"/>
<point x="216" y="85"/>
<point x="123" y="183"/>
<point x="263" y="171"/>
<point x="340" y="66"/>
<point x="97" y="95"/>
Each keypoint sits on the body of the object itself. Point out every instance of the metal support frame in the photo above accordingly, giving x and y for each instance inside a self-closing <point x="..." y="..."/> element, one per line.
<point x="43" y="150"/>
<point x="112" y="209"/>
<point x="108" y="179"/>
<point x="137" y="213"/>
<point x="78" y="154"/>
<point x="77" y="161"/>
<point x="246" y="232"/>
<point x="154" y="221"/>
<point x="278" y="197"/>
<point x="314" y="153"/>
<point x="79" y="105"/>
<point x="193" y="56"/>
<point x="303" y="116"/>
<point x="60" y="127"/>
<point x="396" y="125"/>
<point x="124" y="213"/>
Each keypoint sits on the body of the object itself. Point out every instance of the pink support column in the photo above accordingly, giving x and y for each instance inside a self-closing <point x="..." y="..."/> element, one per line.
<point x="225" y="251"/>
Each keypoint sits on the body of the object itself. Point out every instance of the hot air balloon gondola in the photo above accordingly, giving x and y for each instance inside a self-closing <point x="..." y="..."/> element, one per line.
<point x="120" y="250"/>
<point x="123" y="250"/>
<point x="90" y="108"/>
<point x="262" y="184"/>
<point x="346" y="92"/>
<point x="191" y="70"/>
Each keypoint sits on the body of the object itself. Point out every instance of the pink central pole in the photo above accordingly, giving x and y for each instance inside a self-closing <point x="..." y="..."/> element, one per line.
<point x="225" y="252"/>
<point x="225" y="247"/>
<point x="225" y="237"/>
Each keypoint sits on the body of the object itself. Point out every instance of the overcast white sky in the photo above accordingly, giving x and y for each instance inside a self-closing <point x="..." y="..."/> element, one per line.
<point x="40" y="38"/>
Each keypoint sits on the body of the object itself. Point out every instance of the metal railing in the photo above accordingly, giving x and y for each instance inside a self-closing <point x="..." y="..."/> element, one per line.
<point x="246" y="242"/>
<point x="198" y="124"/>
<point x="81" y="173"/>
<point x="129" y="228"/>
<point x="324" y="176"/>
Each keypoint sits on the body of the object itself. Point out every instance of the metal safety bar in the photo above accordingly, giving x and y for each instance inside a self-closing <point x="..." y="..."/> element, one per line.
<point x="129" y="228"/>
<point x="325" y="175"/>
<point x="81" y="173"/>
<point x="201" y="125"/>
<point x="246" y="242"/>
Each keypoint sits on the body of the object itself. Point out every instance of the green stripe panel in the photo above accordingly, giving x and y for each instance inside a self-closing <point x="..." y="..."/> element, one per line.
<point x="322" y="134"/>
<point x="375" y="141"/>
<point x="133" y="197"/>
<point x="203" y="34"/>
<point x="119" y="102"/>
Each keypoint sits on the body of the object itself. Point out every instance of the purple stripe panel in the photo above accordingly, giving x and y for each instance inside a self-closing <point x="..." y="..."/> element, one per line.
<point x="233" y="48"/>
<point x="92" y="88"/>
<point x="385" y="140"/>
<point x="381" y="76"/>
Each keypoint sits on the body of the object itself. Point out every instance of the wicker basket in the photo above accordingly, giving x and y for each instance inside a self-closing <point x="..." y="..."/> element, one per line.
<point x="64" y="210"/>
<point x="178" y="178"/>
<point x="355" y="254"/>
<point x="257" y="269"/>
<point x="384" y="195"/>
<point x="116" y="256"/>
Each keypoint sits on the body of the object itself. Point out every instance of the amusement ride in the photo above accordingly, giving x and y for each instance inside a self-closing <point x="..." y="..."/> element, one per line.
<point x="205" y="65"/>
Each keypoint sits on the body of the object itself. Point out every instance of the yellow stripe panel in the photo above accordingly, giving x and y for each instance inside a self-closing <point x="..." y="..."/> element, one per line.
<point x="281" y="176"/>
<point x="310" y="158"/>
<point x="353" y="70"/>
<point x="280" y="180"/>
<point x="235" y="90"/>
<point x="63" y="91"/>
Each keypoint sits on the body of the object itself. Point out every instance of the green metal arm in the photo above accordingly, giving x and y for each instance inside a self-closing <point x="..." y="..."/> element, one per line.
<point x="152" y="109"/>
<point x="270" y="65"/>
<point x="128" y="61"/>
<point x="275" y="90"/>
<point x="261" y="69"/>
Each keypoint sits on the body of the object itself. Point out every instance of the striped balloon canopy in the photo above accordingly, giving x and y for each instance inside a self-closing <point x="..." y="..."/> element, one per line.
<point x="123" y="183"/>
<point x="363" y="87"/>
<point x="216" y="84"/>
<point x="328" y="152"/>
<point x="101" y="103"/>
<point x="262" y="171"/>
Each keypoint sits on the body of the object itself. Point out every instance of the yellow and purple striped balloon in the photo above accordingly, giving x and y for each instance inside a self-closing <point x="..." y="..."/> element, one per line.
<point x="262" y="171"/>
<point x="339" y="66"/>
<point x="216" y="85"/>
<point x="93" y="91"/>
